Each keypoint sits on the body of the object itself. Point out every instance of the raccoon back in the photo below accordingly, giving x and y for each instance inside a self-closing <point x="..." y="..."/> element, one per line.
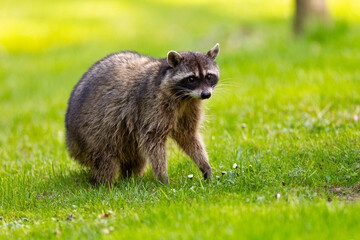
<point x="110" y="93"/>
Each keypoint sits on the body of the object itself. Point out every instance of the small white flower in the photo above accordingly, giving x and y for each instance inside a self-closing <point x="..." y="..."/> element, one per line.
<point x="234" y="165"/>
<point x="190" y="176"/>
<point x="277" y="196"/>
<point x="261" y="198"/>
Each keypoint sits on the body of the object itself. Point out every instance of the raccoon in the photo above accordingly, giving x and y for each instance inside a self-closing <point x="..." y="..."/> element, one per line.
<point x="125" y="106"/>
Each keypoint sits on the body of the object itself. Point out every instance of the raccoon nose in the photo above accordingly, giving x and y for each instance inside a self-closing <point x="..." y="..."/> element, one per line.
<point x="205" y="94"/>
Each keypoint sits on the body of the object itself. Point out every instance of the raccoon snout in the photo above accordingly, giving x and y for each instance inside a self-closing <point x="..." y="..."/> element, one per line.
<point x="205" y="94"/>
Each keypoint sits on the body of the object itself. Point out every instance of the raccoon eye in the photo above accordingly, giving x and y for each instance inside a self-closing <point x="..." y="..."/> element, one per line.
<point x="209" y="76"/>
<point x="212" y="79"/>
<point x="191" y="79"/>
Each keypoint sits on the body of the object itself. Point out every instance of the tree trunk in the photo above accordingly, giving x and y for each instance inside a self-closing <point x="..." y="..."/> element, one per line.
<point x="307" y="11"/>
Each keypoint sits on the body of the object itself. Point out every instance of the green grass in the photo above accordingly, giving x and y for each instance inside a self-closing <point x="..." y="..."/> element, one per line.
<point x="286" y="112"/>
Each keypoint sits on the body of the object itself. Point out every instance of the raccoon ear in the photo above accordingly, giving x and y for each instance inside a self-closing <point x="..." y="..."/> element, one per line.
<point x="174" y="58"/>
<point x="212" y="53"/>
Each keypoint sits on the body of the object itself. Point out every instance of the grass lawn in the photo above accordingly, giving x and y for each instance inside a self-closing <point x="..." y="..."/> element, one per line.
<point x="286" y="111"/>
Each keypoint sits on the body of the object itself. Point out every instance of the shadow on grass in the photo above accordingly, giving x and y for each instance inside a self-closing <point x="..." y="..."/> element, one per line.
<point x="75" y="181"/>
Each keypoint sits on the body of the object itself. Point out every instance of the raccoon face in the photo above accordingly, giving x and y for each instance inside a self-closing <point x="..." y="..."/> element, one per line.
<point x="194" y="74"/>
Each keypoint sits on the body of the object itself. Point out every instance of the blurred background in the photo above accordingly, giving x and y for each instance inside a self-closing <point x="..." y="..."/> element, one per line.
<point x="278" y="71"/>
<point x="155" y="25"/>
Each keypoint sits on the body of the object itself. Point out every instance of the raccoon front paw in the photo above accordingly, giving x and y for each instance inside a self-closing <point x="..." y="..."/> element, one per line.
<point x="208" y="174"/>
<point x="164" y="180"/>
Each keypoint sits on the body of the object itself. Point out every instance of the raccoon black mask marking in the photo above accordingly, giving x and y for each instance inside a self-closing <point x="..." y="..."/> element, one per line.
<point x="195" y="74"/>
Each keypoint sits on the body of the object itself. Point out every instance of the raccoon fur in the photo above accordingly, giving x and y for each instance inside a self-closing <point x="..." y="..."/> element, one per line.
<point x="125" y="106"/>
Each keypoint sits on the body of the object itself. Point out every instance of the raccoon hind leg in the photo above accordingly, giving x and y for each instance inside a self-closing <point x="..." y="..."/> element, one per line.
<point x="77" y="149"/>
<point x="133" y="165"/>
<point x="104" y="169"/>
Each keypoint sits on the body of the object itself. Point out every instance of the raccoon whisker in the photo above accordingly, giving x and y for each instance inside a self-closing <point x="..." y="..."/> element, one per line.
<point x="181" y="88"/>
<point x="222" y="90"/>
<point x="229" y="84"/>
<point x="226" y="79"/>
<point x="180" y="91"/>
<point x="223" y="85"/>
<point x="182" y="95"/>
<point x="178" y="95"/>
<point x="226" y="87"/>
